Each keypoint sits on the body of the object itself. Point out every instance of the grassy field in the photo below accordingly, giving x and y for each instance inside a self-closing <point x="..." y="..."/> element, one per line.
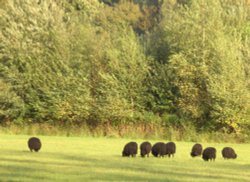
<point x="99" y="159"/>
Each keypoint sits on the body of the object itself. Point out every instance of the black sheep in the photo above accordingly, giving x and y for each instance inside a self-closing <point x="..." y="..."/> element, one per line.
<point x="34" y="144"/>
<point x="145" y="148"/>
<point x="196" y="150"/>
<point x="229" y="153"/>
<point x="159" y="149"/>
<point x="170" y="149"/>
<point x="209" y="154"/>
<point x="130" y="149"/>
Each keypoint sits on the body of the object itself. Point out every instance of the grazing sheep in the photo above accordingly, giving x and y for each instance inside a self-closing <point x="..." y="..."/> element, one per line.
<point x="229" y="153"/>
<point x="130" y="149"/>
<point x="34" y="144"/>
<point x="196" y="150"/>
<point x="170" y="149"/>
<point x="209" y="154"/>
<point x="145" y="149"/>
<point x="159" y="149"/>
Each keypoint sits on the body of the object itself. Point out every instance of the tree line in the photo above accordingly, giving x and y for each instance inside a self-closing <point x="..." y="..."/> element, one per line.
<point x="166" y="62"/>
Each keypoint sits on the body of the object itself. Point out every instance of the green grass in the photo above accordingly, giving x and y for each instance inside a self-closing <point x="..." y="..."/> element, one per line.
<point x="99" y="159"/>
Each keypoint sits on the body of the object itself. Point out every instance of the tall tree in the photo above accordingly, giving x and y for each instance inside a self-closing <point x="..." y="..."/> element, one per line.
<point x="38" y="58"/>
<point x="205" y="65"/>
<point x="121" y="81"/>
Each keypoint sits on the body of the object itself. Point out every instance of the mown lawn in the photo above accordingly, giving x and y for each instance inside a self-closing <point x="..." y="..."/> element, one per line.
<point x="99" y="159"/>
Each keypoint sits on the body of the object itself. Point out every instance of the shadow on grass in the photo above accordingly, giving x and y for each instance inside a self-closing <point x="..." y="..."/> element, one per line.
<point x="21" y="173"/>
<point x="112" y="168"/>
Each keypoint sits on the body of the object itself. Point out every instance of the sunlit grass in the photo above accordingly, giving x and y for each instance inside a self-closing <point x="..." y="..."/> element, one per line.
<point x="99" y="159"/>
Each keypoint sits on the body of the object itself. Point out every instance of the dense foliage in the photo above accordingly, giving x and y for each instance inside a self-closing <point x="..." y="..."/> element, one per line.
<point x="164" y="62"/>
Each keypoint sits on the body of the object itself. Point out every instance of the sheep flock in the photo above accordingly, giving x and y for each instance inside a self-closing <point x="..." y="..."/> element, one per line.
<point x="161" y="149"/>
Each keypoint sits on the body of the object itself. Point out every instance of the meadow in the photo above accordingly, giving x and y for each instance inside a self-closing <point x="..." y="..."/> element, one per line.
<point x="99" y="159"/>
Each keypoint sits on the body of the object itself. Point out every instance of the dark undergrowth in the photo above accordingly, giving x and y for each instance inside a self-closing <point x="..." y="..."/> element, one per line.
<point x="144" y="131"/>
